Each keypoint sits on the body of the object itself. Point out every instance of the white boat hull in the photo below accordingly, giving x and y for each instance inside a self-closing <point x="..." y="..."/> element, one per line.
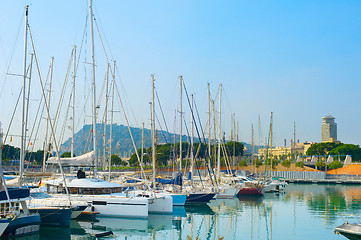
<point x="115" y="206"/>
<point x="227" y="192"/>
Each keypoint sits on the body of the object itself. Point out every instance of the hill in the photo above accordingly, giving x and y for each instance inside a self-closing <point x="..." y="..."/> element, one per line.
<point x="121" y="140"/>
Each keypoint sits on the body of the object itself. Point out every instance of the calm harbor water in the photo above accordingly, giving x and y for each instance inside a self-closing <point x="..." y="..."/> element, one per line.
<point x="305" y="211"/>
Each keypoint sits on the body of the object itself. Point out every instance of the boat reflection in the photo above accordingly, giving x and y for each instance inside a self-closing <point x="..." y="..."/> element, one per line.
<point x="200" y="209"/>
<point x="179" y="211"/>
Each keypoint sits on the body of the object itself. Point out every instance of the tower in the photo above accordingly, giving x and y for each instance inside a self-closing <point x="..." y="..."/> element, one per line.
<point x="329" y="129"/>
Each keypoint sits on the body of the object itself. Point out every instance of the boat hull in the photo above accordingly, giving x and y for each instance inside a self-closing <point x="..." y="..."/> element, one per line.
<point x="52" y="216"/>
<point x="115" y="206"/>
<point x="179" y="199"/>
<point x="4" y="223"/>
<point x="226" y="193"/>
<point x="23" y="225"/>
<point x="161" y="205"/>
<point x="351" y="231"/>
<point x="250" y="192"/>
<point x="199" y="197"/>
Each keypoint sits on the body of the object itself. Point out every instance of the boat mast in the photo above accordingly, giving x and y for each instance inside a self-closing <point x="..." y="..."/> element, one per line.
<point x="105" y="119"/>
<point x="153" y="130"/>
<point x="94" y="107"/>
<point x="209" y="123"/>
<point x="111" y="124"/>
<point x="22" y="146"/>
<point x="180" y="124"/>
<point x="141" y="157"/>
<point x="73" y="114"/>
<point x="46" y="143"/>
<point x="252" y="158"/>
<point x="219" y="134"/>
<point x="271" y="135"/>
<point x="192" y="142"/>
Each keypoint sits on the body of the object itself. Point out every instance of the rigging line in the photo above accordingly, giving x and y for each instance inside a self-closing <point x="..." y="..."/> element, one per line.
<point x="101" y="27"/>
<point x="188" y="138"/>
<point x="130" y="132"/>
<point x="165" y="139"/>
<point x="28" y="97"/>
<point x="48" y="113"/>
<point x="62" y="96"/>
<point x="161" y="110"/>
<point x="83" y="110"/>
<point x="15" y="109"/>
<point x="225" y="154"/>
<point x="12" y="117"/>
<point x="208" y="153"/>
<point x="12" y="53"/>
<point x="227" y="100"/>
<point x="65" y="120"/>
<point x="106" y="56"/>
<point x="126" y="96"/>
<point x="37" y="112"/>
<point x="200" y="140"/>
<point x="82" y="42"/>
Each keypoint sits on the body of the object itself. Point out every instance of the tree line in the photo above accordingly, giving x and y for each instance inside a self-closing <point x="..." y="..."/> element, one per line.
<point x="167" y="153"/>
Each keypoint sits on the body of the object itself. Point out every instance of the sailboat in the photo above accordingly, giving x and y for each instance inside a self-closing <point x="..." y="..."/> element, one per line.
<point x="15" y="218"/>
<point x="103" y="196"/>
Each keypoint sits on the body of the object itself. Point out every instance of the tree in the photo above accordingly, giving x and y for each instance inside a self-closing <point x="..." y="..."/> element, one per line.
<point x="335" y="164"/>
<point x="299" y="164"/>
<point x="66" y="155"/>
<point x="257" y="163"/>
<point x="347" y="149"/>
<point x="115" y="160"/>
<point x="320" y="165"/>
<point x="234" y="148"/>
<point x="133" y="161"/>
<point x="286" y="163"/>
<point x="243" y="163"/>
<point x="321" y="148"/>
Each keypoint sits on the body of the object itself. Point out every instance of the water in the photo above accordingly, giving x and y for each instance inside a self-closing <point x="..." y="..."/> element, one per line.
<point x="306" y="211"/>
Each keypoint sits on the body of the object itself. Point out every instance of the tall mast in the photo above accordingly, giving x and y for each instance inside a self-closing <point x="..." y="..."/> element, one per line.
<point x="105" y="118"/>
<point x="209" y="122"/>
<point x="22" y="146"/>
<point x="252" y="149"/>
<point x="46" y="142"/>
<point x="111" y="124"/>
<point x="294" y="137"/>
<point x="259" y="134"/>
<point x="94" y="107"/>
<point x="237" y="133"/>
<point x="271" y="136"/>
<point x="180" y="124"/>
<point x="153" y="130"/>
<point x="219" y="134"/>
<point x="232" y="127"/>
<point x="73" y="114"/>
<point x="192" y="141"/>
<point x="141" y="157"/>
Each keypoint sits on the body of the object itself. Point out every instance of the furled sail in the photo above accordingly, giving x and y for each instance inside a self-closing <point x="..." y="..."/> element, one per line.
<point x="82" y="160"/>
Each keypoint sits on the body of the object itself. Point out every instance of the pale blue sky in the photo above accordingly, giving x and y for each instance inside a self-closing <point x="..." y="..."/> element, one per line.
<point x="299" y="59"/>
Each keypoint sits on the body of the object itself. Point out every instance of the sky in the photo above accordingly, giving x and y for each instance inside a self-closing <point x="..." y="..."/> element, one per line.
<point x="300" y="60"/>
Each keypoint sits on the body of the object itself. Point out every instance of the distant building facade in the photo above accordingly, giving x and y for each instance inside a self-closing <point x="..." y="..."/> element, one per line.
<point x="329" y="129"/>
<point x="298" y="149"/>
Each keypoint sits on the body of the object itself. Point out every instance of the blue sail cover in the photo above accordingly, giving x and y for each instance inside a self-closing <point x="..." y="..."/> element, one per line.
<point x="176" y="181"/>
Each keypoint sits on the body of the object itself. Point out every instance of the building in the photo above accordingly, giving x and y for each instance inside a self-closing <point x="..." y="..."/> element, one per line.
<point x="329" y="129"/>
<point x="298" y="149"/>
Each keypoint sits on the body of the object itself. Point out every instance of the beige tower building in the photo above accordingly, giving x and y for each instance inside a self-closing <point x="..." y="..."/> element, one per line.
<point x="329" y="129"/>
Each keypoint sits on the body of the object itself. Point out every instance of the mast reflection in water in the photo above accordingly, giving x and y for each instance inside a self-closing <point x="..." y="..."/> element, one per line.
<point x="304" y="211"/>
